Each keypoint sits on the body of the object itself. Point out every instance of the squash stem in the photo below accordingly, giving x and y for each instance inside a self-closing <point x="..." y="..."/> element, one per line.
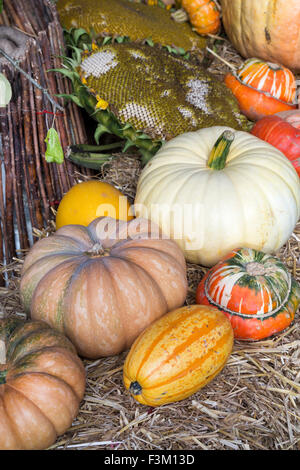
<point x="218" y="155"/>
<point x="135" y="388"/>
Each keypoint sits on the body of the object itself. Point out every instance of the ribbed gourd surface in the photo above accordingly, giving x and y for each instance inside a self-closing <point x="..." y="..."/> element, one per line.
<point x="125" y="18"/>
<point x="157" y="92"/>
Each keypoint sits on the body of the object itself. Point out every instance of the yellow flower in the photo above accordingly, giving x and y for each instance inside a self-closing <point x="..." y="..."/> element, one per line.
<point x="94" y="46"/>
<point x="101" y="104"/>
<point x="83" y="80"/>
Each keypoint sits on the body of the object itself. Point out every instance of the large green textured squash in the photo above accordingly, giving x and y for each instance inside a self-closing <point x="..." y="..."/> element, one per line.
<point x="131" y="19"/>
<point x="151" y="95"/>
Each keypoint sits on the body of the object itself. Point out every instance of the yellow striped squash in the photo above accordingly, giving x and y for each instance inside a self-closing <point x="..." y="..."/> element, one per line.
<point x="178" y="354"/>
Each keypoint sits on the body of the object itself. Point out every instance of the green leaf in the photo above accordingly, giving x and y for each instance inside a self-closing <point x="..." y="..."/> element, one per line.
<point x="68" y="73"/>
<point x="1" y="6"/>
<point x="127" y="145"/>
<point x="149" y="42"/>
<point x="101" y="129"/>
<point x="5" y="91"/>
<point x="181" y="51"/>
<point x="54" y="152"/>
<point x="106" y="40"/>
<point x="67" y="97"/>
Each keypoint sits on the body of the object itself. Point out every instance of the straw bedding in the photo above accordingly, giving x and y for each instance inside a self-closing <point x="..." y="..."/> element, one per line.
<point x="253" y="404"/>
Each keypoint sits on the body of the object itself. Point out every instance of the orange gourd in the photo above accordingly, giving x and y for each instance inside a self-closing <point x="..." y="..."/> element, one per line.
<point x="88" y="200"/>
<point x="254" y="290"/>
<point x="204" y="15"/>
<point x="177" y="355"/>
<point x="42" y="381"/>
<point x="103" y="284"/>
<point x="262" y="88"/>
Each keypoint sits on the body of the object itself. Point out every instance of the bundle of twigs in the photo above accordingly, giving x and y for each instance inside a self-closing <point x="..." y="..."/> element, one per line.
<point x="29" y="185"/>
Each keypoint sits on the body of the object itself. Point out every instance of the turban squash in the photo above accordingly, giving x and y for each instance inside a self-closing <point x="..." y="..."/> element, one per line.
<point x="262" y="88"/>
<point x="254" y="290"/>
<point x="42" y="381"/>
<point x="103" y="284"/>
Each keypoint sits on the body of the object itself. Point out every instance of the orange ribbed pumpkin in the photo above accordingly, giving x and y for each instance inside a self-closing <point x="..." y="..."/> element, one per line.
<point x="262" y="88"/>
<point x="254" y="290"/>
<point x="178" y="354"/>
<point x="204" y="15"/>
<point x="103" y="284"/>
<point x="42" y="381"/>
<point x="269" y="29"/>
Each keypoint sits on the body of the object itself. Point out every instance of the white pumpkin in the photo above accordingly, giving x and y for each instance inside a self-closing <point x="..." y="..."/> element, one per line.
<point x="254" y="201"/>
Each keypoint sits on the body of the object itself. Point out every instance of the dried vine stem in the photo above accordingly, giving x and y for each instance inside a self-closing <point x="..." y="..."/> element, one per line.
<point x="34" y="82"/>
<point x="32" y="186"/>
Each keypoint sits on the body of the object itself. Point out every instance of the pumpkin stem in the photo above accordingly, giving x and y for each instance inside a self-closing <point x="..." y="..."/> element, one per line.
<point x="98" y="250"/>
<point x="218" y="155"/>
<point x="135" y="388"/>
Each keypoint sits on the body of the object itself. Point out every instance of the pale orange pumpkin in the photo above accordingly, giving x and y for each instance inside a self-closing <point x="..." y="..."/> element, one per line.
<point x="268" y="29"/>
<point x="103" y="284"/>
<point x="42" y="382"/>
<point x="178" y="354"/>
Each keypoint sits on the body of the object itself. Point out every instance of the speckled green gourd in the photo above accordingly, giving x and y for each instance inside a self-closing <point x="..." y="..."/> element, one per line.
<point x="134" y="20"/>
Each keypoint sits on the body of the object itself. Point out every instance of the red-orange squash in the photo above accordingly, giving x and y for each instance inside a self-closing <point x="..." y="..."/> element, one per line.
<point x="103" y="284"/>
<point x="254" y="290"/>
<point x="204" y="15"/>
<point x="177" y="355"/>
<point x="42" y="382"/>
<point x="282" y="130"/>
<point x="262" y="88"/>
